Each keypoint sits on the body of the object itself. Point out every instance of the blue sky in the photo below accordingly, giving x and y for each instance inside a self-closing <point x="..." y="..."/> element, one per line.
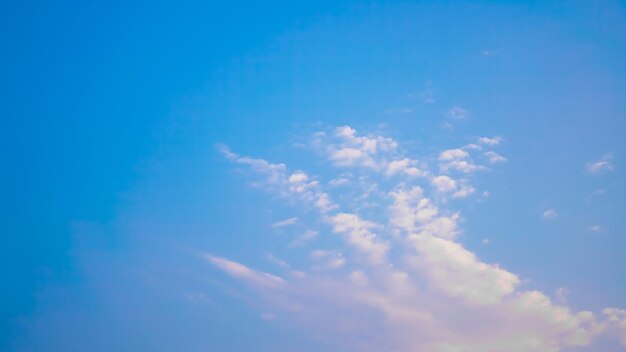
<point x="237" y="176"/>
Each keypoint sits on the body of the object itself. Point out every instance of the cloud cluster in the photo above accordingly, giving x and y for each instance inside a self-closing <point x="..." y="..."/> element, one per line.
<point x="398" y="278"/>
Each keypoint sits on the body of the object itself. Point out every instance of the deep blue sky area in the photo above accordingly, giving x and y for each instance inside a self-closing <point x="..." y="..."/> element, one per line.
<point x="111" y="185"/>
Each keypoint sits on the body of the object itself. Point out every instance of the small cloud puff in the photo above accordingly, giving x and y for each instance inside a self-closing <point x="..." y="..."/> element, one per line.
<point x="550" y="214"/>
<point x="490" y="141"/>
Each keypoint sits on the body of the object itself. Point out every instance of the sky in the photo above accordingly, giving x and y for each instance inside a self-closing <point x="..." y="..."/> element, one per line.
<point x="313" y="176"/>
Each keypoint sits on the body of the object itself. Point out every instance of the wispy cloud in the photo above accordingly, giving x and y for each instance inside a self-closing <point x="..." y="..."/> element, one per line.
<point x="602" y="165"/>
<point x="426" y="95"/>
<point x="285" y="222"/>
<point x="457" y="113"/>
<point x="493" y="157"/>
<point x="596" y="228"/>
<point x="307" y="236"/>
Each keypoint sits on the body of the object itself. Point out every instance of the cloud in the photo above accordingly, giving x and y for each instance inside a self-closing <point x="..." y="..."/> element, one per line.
<point x="457" y="113"/>
<point x="444" y="183"/>
<point x="354" y="150"/>
<point x="549" y="214"/>
<point x="473" y="146"/>
<point x="387" y="268"/>
<point x="602" y="165"/>
<point x="453" y="154"/>
<point x="404" y="166"/>
<point x="464" y="191"/>
<point x="297" y="185"/>
<point x="341" y="181"/>
<point x="491" y="141"/>
<point x="596" y="228"/>
<point x="493" y="157"/>
<point x="242" y="272"/>
<point x="285" y="222"/>
<point x="457" y="160"/>
<point x="358" y="235"/>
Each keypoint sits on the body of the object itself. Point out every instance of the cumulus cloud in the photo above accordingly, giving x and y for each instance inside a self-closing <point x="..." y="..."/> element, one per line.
<point x="457" y="160"/>
<point x="355" y="150"/>
<point x="444" y="183"/>
<point x="453" y="154"/>
<point x="602" y="165"/>
<point x="393" y="276"/>
<point x="404" y="166"/>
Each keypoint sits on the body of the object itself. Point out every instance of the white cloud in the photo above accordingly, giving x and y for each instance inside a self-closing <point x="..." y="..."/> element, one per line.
<point x="298" y="177"/>
<point x="358" y="235"/>
<point x="462" y="166"/>
<point x="490" y="140"/>
<point x="337" y="182"/>
<point x="550" y="214"/>
<point x="603" y="164"/>
<point x="444" y="183"/>
<point x="404" y="166"/>
<point x="353" y="150"/>
<point x="392" y="275"/>
<point x="493" y="157"/>
<point x="457" y="113"/>
<point x="285" y="222"/>
<point x="244" y="273"/>
<point x="413" y="213"/>
<point x="277" y="178"/>
<point x="596" y="228"/>
<point x="457" y="272"/>
<point x="464" y="191"/>
<point x="473" y="146"/>
<point x="453" y="154"/>
<point x="457" y="160"/>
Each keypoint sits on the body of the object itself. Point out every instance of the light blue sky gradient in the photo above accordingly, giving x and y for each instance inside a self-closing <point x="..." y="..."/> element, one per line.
<point x="113" y="188"/>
